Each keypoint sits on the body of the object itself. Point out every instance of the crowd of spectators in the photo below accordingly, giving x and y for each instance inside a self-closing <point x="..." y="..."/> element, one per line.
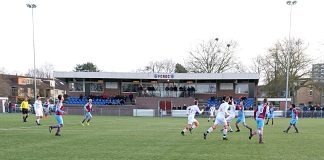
<point x="311" y="111"/>
<point x="122" y="98"/>
<point x="184" y="107"/>
<point x="102" y="99"/>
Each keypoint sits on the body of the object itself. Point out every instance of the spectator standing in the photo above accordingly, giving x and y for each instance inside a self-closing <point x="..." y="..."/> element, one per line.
<point x="318" y="110"/>
<point x="312" y="109"/>
<point x="131" y="96"/>
<point x="184" y="107"/>
<point x="10" y="107"/>
<point x="7" y="106"/>
<point x="81" y="96"/>
<point x="305" y="111"/>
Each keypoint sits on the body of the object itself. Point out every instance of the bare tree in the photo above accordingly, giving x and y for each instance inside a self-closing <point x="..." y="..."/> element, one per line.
<point x="45" y="71"/>
<point x="239" y="67"/>
<point x="257" y="66"/>
<point x="164" y="66"/>
<point x="273" y="65"/>
<point x="213" y="56"/>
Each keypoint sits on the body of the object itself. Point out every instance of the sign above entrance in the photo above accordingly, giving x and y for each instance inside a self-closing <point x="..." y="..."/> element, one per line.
<point x="164" y="75"/>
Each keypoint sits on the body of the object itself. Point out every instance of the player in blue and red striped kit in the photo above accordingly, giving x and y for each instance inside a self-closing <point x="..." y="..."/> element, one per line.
<point x="294" y="119"/>
<point x="87" y="114"/>
<point x="259" y="115"/>
<point x="59" y="110"/>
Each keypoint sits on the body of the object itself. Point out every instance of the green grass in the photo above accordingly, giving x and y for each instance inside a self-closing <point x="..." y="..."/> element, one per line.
<point x="153" y="138"/>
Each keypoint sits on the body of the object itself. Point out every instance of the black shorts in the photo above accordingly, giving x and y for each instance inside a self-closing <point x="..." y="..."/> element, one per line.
<point x="24" y="111"/>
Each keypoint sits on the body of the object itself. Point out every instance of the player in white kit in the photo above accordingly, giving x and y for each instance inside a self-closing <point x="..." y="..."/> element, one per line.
<point x="212" y="110"/>
<point x="192" y="122"/>
<point x="220" y="119"/>
<point x="231" y="113"/>
<point x="38" y="107"/>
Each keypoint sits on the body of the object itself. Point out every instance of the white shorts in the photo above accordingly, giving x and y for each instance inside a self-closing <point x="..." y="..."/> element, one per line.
<point x="191" y="119"/>
<point x="220" y="120"/>
<point x="39" y="112"/>
<point x="229" y="118"/>
<point x="211" y="113"/>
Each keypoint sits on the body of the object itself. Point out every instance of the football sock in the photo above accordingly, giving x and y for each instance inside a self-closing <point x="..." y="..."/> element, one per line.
<point x="225" y="132"/>
<point x="58" y="130"/>
<point x="237" y="127"/>
<point x="248" y="127"/>
<point x="288" y="128"/>
<point x="296" y="128"/>
<point x="259" y="132"/>
<point x="210" y="130"/>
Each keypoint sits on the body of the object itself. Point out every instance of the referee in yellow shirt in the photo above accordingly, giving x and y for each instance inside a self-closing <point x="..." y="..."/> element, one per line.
<point x="24" y="108"/>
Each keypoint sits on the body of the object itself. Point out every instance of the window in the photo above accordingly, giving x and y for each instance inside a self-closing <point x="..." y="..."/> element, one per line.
<point x="226" y="86"/>
<point x="29" y="81"/>
<point x="242" y="88"/>
<point x="310" y="92"/>
<point x="206" y="88"/>
<point x="112" y="85"/>
<point x="131" y="87"/>
<point x="96" y="87"/>
<point x="14" y="91"/>
<point x="21" y="92"/>
<point x="76" y="86"/>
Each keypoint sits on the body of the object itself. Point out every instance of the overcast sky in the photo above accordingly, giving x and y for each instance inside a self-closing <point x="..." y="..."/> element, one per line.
<point x="124" y="35"/>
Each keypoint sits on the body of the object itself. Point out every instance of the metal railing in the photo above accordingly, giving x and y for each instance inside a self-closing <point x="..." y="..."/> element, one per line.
<point x="125" y="111"/>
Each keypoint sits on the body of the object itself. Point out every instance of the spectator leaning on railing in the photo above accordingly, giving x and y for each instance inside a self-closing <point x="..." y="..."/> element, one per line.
<point x="312" y="109"/>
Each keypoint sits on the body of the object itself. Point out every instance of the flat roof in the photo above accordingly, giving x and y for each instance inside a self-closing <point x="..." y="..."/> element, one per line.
<point x="176" y="76"/>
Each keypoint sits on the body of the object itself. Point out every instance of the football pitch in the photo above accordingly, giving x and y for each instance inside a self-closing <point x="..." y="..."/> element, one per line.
<point x="152" y="138"/>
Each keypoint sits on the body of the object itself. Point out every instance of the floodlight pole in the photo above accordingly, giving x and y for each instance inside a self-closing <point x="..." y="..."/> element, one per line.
<point x="290" y="3"/>
<point x="32" y="6"/>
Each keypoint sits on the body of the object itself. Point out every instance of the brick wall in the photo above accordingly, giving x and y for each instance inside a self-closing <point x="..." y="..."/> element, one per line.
<point x="125" y="110"/>
<point x="303" y="96"/>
